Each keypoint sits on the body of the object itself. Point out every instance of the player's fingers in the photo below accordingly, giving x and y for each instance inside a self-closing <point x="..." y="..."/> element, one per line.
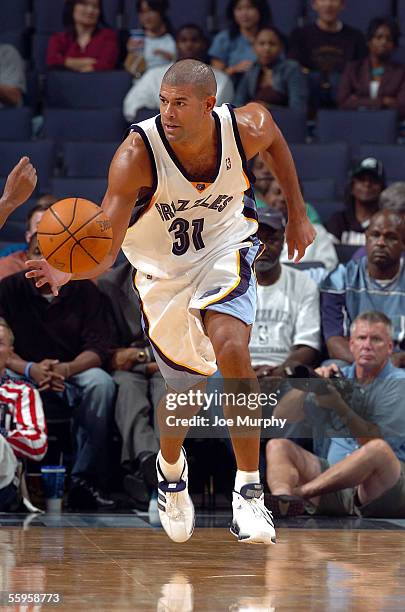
<point x="291" y="248"/>
<point x="300" y="254"/>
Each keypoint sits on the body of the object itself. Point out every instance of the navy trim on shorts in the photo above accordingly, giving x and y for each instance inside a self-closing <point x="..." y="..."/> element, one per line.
<point x="245" y="273"/>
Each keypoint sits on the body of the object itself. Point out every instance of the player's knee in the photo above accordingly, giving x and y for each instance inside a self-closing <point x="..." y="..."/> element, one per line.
<point x="232" y="351"/>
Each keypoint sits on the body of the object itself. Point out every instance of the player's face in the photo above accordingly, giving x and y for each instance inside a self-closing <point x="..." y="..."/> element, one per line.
<point x="190" y="45"/>
<point x="5" y="347"/>
<point x="246" y="14"/>
<point x="328" y="10"/>
<point x="268" y="47"/>
<point x="86" y="12"/>
<point x="382" y="44"/>
<point x="182" y="111"/>
<point x="370" y="344"/>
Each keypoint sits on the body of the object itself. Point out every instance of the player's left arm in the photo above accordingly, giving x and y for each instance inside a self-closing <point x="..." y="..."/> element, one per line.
<point x="260" y="135"/>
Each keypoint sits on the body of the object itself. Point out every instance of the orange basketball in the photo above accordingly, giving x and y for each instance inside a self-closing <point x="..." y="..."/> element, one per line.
<point x="74" y="235"/>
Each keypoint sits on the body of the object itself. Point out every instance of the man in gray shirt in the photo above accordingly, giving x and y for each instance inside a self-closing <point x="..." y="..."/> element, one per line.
<point x="12" y="77"/>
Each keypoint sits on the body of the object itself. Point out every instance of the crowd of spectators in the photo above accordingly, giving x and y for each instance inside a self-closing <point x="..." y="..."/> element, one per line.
<point x="84" y="355"/>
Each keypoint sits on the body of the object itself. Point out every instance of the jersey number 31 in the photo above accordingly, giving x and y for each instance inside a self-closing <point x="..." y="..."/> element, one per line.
<point x="181" y="238"/>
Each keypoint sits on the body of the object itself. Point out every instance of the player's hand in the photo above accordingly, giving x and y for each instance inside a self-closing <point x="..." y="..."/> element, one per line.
<point x="299" y="234"/>
<point x="44" y="274"/>
<point x="20" y="183"/>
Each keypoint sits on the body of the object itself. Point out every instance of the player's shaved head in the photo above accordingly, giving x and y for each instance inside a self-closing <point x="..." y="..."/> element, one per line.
<point x="192" y="72"/>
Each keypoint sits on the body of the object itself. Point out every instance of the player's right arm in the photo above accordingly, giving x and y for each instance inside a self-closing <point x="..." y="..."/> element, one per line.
<point x="19" y="186"/>
<point x="130" y="172"/>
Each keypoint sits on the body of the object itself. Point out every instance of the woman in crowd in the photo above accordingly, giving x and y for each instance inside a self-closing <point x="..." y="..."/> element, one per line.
<point x="86" y="45"/>
<point x="157" y="46"/>
<point x="272" y="80"/>
<point x="376" y="82"/>
<point x="232" y="49"/>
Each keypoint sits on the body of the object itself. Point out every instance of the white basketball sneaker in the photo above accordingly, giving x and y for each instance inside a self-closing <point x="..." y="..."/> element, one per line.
<point x="176" y="510"/>
<point x="252" y="521"/>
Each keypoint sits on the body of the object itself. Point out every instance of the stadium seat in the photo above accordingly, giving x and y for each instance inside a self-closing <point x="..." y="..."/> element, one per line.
<point x="327" y="209"/>
<point x="63" y="125"/>
<point x="47" y="16"/>
<point x="41" y="153"/>
<point x="14" y="38"/>
<point x="319" y="189"/>
<point x="13" y="15"/>
<point x="292" y="123"/>
<point x="130" y="17"/>
<point x="401" y="15"/>
<point x="357" y="127"/>
<point x="111" y="10"/>
<point x="39" y="48"/>
<point x="15" y="123"/>
<point x="145" y="113"/>
<point x="286" y="15"/>
<point x="392" y="156"/>
<point x="90" y="189"/>
<point x="326" y="161"/>
<point x="345" y="252"/>
<point x="88" y="159"/>
<point x="355" y="14"/>
<point x="95" y="90"/>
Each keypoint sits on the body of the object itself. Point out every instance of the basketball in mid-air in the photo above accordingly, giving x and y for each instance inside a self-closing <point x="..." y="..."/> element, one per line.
<point x="74" y="235"/>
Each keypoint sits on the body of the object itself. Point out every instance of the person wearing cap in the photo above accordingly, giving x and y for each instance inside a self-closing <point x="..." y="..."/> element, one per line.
<point x="286" y="330"/>
<point x="366" y="184"/>
<point x="375" y="282"/>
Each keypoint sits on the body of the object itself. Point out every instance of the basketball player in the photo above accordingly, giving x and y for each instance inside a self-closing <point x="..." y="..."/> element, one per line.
<point x="192" y="239"/>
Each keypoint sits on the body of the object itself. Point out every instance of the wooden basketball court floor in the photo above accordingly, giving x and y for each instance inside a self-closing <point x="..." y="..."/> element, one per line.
<point x="122" y="562"/>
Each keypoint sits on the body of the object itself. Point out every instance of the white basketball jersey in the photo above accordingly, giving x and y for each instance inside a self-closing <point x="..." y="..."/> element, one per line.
<point x="185" y="223"/>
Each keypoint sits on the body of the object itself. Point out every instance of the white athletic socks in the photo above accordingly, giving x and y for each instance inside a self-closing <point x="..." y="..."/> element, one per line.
<point x="244" y="478"/>
<point x="171" y="471"/>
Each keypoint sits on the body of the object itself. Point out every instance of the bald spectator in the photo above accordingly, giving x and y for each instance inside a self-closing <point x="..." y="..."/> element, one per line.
<point x="375" y="282"/>
<point x="15" y="261"/>
<point x="12" y="77"/>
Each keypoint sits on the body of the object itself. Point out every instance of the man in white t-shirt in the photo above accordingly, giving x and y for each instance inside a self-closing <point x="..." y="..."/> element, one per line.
<point x="287" y="326"/>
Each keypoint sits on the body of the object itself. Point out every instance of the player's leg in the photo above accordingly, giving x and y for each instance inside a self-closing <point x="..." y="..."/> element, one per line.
<point x="252" y="522"/>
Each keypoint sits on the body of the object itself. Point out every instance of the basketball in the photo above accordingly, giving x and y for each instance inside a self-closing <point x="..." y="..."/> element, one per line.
<point x="74" y="235"/>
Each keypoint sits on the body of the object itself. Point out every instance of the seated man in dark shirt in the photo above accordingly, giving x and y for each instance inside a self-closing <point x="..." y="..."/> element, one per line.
<point x="367" y="183"/>
<point x="324" y="48"/>
<point x="60" y="344"/>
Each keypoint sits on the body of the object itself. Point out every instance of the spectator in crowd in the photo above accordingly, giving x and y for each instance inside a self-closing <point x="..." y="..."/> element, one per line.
<point x="15" y="261"/>
<point x="22" y="424"/>
<point x="324" y="48"/>
<point x="363" y="473"/>
<point x="60" y="345"/>
<point x="157" y="47"/>
<point x="262" y="179"/>
<point x="19" y="186"/>
<point x="232" y="49"/>
<point x="12" y="77"/>
<point x="362" y="201"/>
<point x="286" y="330"/>
<point x="392" y="198"/>
<point x="140" y="386"/>
<point x="191" y="44"/>
<point x="322" y="249"/>
<point x="272" y="80"/>
<point x="375" y="282"/>
<point x="375" y="82"/>
<point x="86" y="45"/>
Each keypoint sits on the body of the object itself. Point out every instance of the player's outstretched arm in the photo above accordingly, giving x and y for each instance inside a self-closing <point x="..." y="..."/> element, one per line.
<point x="259" y="134"/>
<point x="130" y="171"/>
<point x="19" y="186"/>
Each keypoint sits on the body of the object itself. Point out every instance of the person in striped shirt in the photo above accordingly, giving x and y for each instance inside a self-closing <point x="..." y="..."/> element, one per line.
<point x="22" y="423"/>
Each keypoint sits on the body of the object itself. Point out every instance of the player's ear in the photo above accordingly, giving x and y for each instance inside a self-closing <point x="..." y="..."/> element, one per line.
<point x="210" y="103"/>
